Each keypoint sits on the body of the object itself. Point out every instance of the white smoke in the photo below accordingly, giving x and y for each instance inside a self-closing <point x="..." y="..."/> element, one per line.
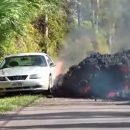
<point x="77" y="47"/>
<point x="78" y="43"/>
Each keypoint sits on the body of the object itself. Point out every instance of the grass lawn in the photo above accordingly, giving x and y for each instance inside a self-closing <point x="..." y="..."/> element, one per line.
<point x="12" y="103"/>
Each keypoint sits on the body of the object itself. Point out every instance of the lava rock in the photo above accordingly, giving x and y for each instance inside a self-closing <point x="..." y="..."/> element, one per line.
<point x="99" y="76"/>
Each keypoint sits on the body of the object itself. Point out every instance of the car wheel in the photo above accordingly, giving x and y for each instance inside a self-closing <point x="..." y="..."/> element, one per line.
<point x="50" y="85"/>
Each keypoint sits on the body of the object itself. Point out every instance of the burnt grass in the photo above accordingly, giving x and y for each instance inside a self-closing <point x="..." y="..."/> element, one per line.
<point x="97" y="76"/>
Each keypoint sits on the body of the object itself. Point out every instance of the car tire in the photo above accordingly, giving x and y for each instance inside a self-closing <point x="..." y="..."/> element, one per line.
<point x="50" y="85"/>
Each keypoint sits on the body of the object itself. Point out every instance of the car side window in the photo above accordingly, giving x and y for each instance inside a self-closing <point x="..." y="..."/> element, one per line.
<point x="42" y="61"/>
<point x="39" y="61"/>
<point x="50" y="62"/>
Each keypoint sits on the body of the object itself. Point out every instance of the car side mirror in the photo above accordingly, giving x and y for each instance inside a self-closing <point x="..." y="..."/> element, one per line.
<point x="52" y="64"/>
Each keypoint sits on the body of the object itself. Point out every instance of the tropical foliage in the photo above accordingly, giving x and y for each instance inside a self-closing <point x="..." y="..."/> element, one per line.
<point x="41" y="25"/>
<point x="17" y="30"/>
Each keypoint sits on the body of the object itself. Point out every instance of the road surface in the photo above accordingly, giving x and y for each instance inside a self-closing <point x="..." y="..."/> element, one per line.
<point x="69" y="114"/>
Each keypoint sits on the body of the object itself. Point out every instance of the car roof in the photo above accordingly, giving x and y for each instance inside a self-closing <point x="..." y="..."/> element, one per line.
<point x="27" y="54"/>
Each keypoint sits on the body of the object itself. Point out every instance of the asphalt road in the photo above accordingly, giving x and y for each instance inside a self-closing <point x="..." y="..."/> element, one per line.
<point x="69" y="114"/>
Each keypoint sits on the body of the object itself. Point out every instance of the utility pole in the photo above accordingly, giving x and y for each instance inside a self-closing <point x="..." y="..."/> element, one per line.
<point x="46" y="30"/>
<point x="46" y="25"/>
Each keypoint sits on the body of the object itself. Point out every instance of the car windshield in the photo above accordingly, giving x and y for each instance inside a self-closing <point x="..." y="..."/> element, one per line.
<point x="30" y="60"/>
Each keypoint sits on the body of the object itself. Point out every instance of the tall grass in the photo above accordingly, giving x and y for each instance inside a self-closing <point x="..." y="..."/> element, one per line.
<point x="12" y="103"/>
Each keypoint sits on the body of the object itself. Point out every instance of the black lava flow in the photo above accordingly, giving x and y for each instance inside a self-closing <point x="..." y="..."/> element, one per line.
<point x="97" y="76"/>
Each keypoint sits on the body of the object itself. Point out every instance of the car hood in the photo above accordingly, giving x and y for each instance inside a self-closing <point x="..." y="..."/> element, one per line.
<point x="23" y="71"/>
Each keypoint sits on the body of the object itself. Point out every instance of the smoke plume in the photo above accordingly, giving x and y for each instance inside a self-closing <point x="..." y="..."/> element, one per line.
<point x="96" y="17"/>
<point x="77" y="46"/>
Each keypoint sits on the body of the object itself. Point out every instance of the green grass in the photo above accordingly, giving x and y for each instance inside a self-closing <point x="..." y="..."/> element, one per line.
<point x="12" y="103"/>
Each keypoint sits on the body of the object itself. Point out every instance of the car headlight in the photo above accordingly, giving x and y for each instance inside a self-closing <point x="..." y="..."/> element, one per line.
<point x="35" y="76"/>
<point x="2" y="79"/>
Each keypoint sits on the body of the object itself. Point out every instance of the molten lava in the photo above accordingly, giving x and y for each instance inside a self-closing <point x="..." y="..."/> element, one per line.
<point x="102" y="76"/>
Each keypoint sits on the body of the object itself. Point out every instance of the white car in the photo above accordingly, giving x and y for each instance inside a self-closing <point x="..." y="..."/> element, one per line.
<point x="27" y="71"/>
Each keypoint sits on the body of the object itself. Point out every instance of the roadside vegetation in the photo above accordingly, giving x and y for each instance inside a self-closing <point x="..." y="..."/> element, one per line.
<point x="15" y="102"/>
<point x="23" y="26"/>
<point x="43" y="25"/>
